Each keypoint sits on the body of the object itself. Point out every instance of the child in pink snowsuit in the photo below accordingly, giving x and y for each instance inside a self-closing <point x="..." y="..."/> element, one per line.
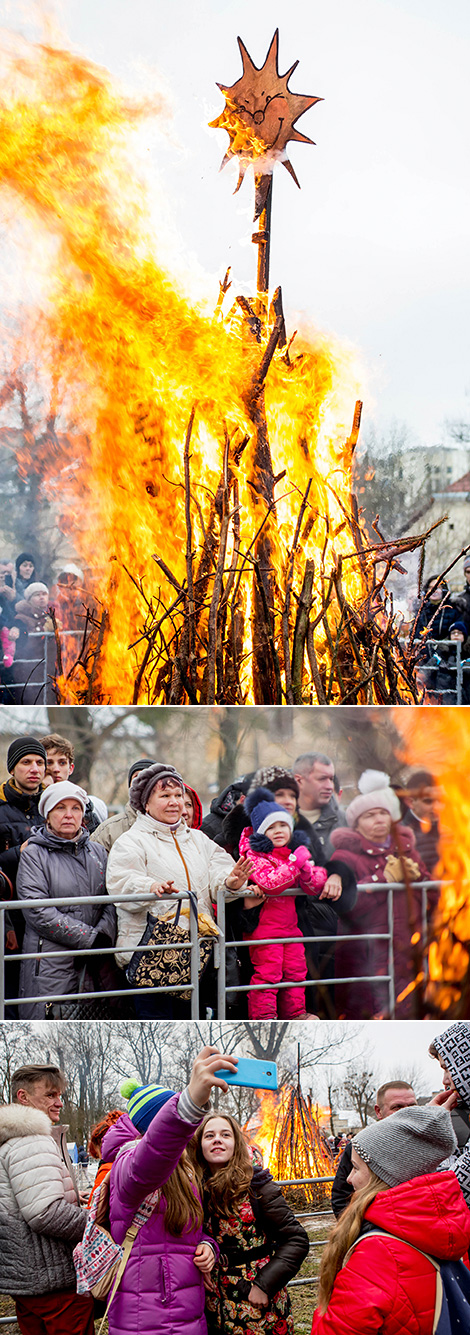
<point x="277" y="867"/>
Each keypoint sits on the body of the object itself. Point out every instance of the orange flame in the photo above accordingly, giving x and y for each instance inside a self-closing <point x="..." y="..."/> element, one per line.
<point x="123" y="353"/>
<point x="438" y="739"/>
<point x="287" y="1129"/>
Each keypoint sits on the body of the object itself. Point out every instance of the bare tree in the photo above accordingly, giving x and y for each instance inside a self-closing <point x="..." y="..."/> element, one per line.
<point x="16" y="1049"/>
<point x="87" y="732"/>
<point x="139" y="1047"/>
<point x="85" y="1054"/>
<point x="360" y="1087"/>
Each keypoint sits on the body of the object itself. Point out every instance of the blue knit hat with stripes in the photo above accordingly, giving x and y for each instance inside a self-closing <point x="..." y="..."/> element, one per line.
<point x="144" y="1101"/>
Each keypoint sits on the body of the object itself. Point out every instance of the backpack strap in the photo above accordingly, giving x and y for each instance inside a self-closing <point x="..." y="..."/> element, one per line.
<point x="142" y="1215"/>
<point x="381" y="1233"/>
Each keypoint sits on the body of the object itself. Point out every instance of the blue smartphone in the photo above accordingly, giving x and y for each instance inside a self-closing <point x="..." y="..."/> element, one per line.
<point x="251" y="1074"/>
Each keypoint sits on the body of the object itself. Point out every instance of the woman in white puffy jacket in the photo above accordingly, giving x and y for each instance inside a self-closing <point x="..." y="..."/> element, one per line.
<point x="160" y="855"/>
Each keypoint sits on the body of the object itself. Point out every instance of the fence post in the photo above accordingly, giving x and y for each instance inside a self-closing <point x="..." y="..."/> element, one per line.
<point x="221" y="996"/>
<point x="459" y="673"/>
<point x="2" y="964"/>
<point x="194" y="963"/>
<point x="391" y="962"/>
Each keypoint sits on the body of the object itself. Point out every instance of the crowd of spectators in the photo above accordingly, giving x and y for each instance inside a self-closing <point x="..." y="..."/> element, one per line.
<point x="442" y="622"/>
<point x="26" y="603"/>
<point x="287" y="855"/>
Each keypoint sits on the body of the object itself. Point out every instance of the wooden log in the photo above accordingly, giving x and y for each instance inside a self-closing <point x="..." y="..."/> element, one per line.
<point x="209" y="684"/>
<point x="313" y="661"/>
<point x="300" y="631"/>
<point x="89" y="693"/>
<point x="189" y="540"/>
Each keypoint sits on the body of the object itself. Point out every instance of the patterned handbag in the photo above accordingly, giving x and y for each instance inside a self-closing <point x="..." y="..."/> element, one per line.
<point x="170" y="968"/>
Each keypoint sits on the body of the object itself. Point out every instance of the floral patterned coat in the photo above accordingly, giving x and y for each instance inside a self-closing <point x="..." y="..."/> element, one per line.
<point x="262" y="1243"/>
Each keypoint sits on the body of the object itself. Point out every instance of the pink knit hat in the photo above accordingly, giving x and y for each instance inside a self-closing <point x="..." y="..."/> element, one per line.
<point x="374" y="791"/>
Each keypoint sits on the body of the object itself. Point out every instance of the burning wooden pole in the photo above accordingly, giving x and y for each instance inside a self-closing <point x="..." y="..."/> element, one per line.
<point x="260" y="115"/>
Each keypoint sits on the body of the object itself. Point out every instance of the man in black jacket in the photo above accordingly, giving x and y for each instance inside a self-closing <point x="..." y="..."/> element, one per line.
<point x="19" y="800"/>
<point x="19" y="815"/>
<point x="461" y="601"/>
<point x="390" y="1097"/>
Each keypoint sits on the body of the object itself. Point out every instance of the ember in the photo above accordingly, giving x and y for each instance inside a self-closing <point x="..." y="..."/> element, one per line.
<point x="286" y="1128"/>
<point x="214" y="488"/>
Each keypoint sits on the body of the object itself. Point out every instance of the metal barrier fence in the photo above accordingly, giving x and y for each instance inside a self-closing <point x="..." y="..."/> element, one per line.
<point x="23" y="905"/>
<point x="31" y="677"/>
<point x="221" y="945"/>
<point x="461" y="668"/>
<point x="308" y="1214"/>
<point x="387" y="979"/>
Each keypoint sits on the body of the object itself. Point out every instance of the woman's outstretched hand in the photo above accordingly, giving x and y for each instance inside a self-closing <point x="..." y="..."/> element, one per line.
<point x="239" y="874"/>
<point x="257" y="1298"/>
<point x="167" y="888"/>
<point x="203" y="1077"/>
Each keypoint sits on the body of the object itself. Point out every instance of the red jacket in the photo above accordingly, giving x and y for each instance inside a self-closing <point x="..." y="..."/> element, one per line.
<point x="283" y="869"/>
<point x="385" y="1286"/>
<point x="277" y="871"/>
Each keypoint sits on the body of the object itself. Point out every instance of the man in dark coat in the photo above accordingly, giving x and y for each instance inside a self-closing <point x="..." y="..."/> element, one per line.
<point x="461" y="601"/>
<point x="19" y="800"/>
<point x="315" y="775"/>
<point x="390" y="1097"/>
<point x="19" y="816"/>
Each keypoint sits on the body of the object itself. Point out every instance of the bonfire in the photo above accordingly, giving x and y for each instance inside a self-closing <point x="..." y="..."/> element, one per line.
<point x="211" y="487"/>
<point x="286" y="1129"/>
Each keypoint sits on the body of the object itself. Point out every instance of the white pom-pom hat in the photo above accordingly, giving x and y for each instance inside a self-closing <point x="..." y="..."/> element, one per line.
<point x="374" y="791"/>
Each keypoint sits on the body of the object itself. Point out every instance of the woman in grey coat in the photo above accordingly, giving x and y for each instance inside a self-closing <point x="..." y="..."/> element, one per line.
<point x="60" y="860"/>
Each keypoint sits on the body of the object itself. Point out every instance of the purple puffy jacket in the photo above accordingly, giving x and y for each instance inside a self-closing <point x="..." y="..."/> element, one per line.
<point x="161" y="1289"/>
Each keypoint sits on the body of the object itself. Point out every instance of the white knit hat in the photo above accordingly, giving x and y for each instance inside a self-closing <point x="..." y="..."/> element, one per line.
<point x="57" y="792"/>
<point x="71" y="569"/>
<point x="35" y="588"/>
<point x="375" y="791"/>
